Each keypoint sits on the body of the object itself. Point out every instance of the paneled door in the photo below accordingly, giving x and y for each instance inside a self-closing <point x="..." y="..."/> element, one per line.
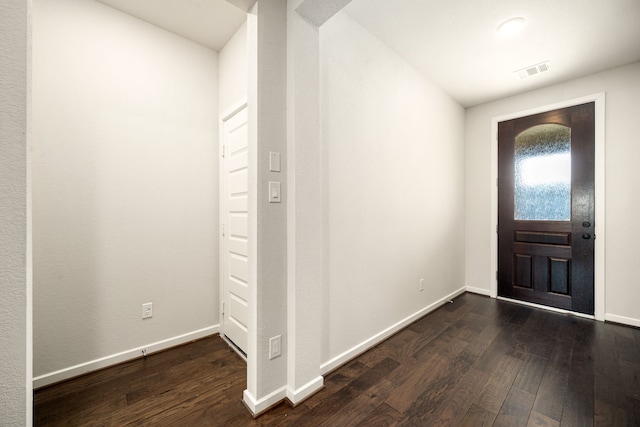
<point x="234" y="228"/>
<point x="546" y="208"/>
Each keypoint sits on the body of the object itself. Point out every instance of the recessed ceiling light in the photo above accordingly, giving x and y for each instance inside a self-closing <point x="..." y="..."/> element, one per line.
<point x="510" y="27"/>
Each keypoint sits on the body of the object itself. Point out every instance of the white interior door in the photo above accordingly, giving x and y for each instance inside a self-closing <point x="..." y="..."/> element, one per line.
<point x="234" y="228"/>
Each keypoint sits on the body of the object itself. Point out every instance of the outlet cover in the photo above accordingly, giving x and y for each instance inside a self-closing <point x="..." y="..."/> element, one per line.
<point x="275" y="347"/>
<point x="147" y="310"/>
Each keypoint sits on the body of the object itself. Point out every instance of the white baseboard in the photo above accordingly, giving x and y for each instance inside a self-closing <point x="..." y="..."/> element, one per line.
<point x="343" y="358"/>
<point x="257" y="407"/>
<point x="297" y="396"/>
<point x="479" y="291"/>
<point x="630" y="321"/>
<point x="103" y="362"/>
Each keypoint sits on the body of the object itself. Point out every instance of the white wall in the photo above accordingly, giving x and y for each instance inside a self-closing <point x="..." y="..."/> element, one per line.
<point x="305" y="211"/>
<point x="393" y="173"/>
<point x="15" y="324"/>
<point x="268" y="113"/>
<point x="232" y="71"/>
<point x="125" y="186"/>
<point x="622" y="88"/>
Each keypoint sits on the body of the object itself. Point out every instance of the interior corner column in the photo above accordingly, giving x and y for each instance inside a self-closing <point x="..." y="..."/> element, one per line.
<point x="305" y="208"/>
<point x="305" y="193"/>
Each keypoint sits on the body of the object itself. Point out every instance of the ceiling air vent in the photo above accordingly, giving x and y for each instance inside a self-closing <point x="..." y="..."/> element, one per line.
<point x="532" y="70"/>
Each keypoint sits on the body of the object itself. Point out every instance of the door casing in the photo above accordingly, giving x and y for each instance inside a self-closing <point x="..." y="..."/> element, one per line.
<point x="599" y="266"/>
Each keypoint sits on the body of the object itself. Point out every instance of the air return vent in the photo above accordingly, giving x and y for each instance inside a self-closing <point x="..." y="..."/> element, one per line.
<point x="532" y="70"/>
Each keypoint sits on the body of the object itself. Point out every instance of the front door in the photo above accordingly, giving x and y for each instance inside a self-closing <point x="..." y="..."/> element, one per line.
<point x="234" y="228"/>
<point x="546" y="208"/>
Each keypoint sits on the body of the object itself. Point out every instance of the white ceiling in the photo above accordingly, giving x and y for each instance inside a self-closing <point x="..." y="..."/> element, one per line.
<point x="210" y="23"/>
<point x="453" y="42"/>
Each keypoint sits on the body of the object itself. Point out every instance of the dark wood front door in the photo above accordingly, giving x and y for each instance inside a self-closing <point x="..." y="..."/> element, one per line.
<point x="546" y="208"/>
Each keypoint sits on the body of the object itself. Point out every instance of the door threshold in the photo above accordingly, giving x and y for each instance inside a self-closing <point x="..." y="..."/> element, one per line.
<point x="234" y="347"/>
<point x="548" y="308"/>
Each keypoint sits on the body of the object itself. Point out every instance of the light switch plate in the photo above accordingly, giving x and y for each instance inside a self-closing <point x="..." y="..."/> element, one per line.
<point x="274" y="192"/>
<point x="274" y="161"/>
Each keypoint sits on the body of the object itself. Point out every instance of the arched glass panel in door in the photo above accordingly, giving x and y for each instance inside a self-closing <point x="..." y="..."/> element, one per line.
<point x="542" y="185"/>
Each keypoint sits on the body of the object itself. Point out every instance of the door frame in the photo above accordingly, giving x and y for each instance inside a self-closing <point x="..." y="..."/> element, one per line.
<point x="235" y="108"/>
<point x="599" y="231"/>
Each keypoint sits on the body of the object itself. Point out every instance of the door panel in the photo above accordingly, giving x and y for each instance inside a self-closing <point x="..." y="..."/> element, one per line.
<point x="546" y="208"/>
<point x="560" y="275"/>
<point x="235" y="241"/>
<point x="238" y="181"/>
<point x="238" y="271"/>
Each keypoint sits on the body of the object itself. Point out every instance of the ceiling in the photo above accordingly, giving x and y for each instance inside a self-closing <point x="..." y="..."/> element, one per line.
<point x="456" y="44"/>
<point x="210" y="23"/>
<point x="453" y="42"/>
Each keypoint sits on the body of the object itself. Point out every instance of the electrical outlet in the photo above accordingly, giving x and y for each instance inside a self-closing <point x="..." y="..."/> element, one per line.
<point x="147" y="310"/>
<point x="275" y="346"/>
<point x="421" y="286"/>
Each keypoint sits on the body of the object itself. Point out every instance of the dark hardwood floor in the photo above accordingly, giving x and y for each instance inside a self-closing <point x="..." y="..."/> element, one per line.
<point x="474" y="362"/>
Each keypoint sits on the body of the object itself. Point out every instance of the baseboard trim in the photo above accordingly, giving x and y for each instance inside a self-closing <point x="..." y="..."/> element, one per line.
<point x="258" y="407"/>
<point x="343" y="358"/>
<point x="114" y="359"/>
<point x="479" y="291"/>
<point x="295" y="397"/>
<point x="629" y="321"/>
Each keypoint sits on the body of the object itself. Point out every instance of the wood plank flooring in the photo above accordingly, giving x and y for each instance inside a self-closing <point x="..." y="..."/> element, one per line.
<point x="474" y="362"/>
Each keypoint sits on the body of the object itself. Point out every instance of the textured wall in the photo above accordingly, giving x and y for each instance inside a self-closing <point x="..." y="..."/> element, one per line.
<point x="232" y="71"/>
<point x="14" y="384"/>
<point x="125" y="182"/>
<point x="393" y="172"/>
<point x="271" y="227"/>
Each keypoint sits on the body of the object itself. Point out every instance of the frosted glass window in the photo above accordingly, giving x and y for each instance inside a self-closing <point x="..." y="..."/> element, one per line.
<point x="542" y="190"/>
